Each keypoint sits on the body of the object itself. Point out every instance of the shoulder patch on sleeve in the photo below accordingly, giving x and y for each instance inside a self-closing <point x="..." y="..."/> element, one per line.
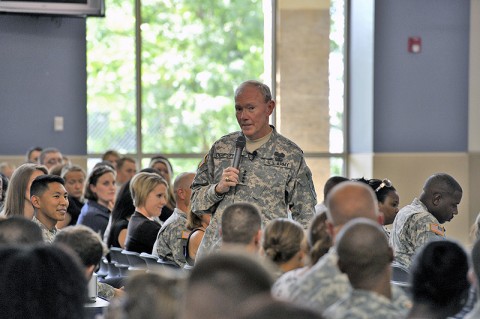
<point x="437" y="229"/>
<point x="185" y="234"/>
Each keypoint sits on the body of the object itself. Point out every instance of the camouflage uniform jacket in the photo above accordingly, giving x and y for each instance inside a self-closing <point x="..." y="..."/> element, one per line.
<point x="363" y="304"/>
<point x="324" y="284"/>
<point x="172" y="238"/>
<point x="412" y="228"/>
<point x="105" y="291"/>
<point x="48" y="234"/>
<point x="276" y="178"/>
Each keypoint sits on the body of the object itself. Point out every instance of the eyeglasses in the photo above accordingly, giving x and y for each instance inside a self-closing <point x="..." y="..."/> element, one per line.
<point x="385" y="183"/>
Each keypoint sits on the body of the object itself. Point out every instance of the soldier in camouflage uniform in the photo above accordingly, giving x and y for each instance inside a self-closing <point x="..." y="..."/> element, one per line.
<point x="421" y="221"/>
<point x="365" y="257"/>
<point x="50" y="201"/>
<point x="272" y="175"/>
<point x="324" y="284"/>
<point x="172" y="237"/>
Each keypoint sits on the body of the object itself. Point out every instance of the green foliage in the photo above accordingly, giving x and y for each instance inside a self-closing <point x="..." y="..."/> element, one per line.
<point x="194" y="53"/>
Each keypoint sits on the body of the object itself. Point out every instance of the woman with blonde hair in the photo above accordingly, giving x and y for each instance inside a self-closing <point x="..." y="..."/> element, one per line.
<point x="284" y="243"/>
<point x="163" y="165"/>
<point x="150" y="194"/>
<point x="17" y="201"/>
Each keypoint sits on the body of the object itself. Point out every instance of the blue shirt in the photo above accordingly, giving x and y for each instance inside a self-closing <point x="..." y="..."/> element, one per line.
<point x="94" y="216"/>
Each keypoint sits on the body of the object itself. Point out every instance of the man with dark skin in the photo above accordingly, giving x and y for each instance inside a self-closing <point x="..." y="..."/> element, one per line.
<point x="421" y="221"/>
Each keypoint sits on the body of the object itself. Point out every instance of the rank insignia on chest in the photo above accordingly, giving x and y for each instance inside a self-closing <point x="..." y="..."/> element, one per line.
<point x="437" y="229"/>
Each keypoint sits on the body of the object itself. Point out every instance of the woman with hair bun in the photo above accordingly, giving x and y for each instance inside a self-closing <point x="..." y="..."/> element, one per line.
<point x="284" y="243"/>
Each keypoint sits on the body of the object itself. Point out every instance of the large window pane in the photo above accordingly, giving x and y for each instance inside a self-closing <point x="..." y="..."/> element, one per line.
<point x="193" y="55"/>
<point x="111" y="79"/>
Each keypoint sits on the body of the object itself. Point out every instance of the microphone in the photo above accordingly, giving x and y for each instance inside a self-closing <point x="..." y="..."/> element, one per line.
<point x="239" y="145"/>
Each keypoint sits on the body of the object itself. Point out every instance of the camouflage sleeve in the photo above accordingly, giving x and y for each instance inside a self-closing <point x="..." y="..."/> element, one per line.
<point x="161" y="247"/>
<point x="302" y="198"/>
<point x="427" y="230"/>
<point x="105" y="291"/>
<point x="204" y="197"/>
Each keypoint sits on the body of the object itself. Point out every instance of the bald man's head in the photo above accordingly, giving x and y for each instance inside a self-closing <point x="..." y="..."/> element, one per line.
<point x="363" y="252"/>
<point x="350" y="200"/>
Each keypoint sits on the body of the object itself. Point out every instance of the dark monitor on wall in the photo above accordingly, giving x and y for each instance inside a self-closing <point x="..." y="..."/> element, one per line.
<point x="81" y="8"/>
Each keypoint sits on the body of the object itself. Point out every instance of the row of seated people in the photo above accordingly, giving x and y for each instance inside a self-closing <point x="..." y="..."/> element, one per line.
<point x="242" y="284"/>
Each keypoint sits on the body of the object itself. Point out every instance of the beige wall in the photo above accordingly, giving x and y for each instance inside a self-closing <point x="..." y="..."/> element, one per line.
<point x="408" y="172"/>
<point x="19" y="160"/>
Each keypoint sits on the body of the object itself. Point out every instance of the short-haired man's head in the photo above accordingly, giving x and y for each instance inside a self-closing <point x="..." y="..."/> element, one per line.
<point x="19" y="230"/>
<point x="282" y="239"/>
<point x="441" y="195"/>
<point x="92" y="179"/>
<point x="142" y="184"/>
<point x="233" y="273"/>
<point x="262" y="88"/>
<point x="363" y="252"/>
<point x="439" y="276"/>
<point x="32" y="154"/>
<point x="349" y="200"/>
<point x="57" y="159"/>
<point x="121" y="161"/>
<point x="240" y="223"/>
<point x="331" y="183"/>
<point x="84" y="241"/>
<point x="111" y="155"/>
<point x="40" y="184"/>
<point x="182" y="182"/>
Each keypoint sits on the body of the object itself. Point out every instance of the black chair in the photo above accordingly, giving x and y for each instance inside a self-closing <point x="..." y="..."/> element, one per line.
<point x="119" y="260"/>
<point x="400" y="276"/>
<point x="167" y="263"/>
<point x="134" y="260"/>
<point x="102" y="272"/>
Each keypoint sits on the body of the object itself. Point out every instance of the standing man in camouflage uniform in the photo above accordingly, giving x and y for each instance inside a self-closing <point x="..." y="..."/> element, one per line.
<point x="172" y="237"/>
<point x="421" y="221"/>
<point x="365" y="257"/>
<point x="272" y="173"/>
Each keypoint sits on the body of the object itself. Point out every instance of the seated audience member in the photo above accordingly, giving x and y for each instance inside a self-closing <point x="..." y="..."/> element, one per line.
<point x="17" y="200"/>
<point x="3" y="190"/>
<point x="111" y="156"/>
<point x="318" y="242"/>
<point x="421" y="221"/>
<point x="365" y="257"/>
<point x="41" y="281"/>
<point x="439" y="284"/>
<point x="126" y="168"/>
<point x="329" y="184"/>
<point x="346" y="201"/>
<point x="89" y="247"/>
<point x="33" y="154"/>
<point x="100" y="193"/>
<point x="50" y="201"/>
<point x="149" y="192"/>
<point x="7" y="169"/>
<point x="474" y="276"/>
<point x="163" y="165"/>
<point x="241" y="226"/>
<point x="121" y="213"/>
<point x="196" y="224"/>
<point x="19" y="230"/>
<point x="50" y="157"/>
<point x="150" y="295"/>
<point x="265" y="307"/>
<point x="387" y="197"/>
<point x="74" y="177"/>
<point x="230" y="278"/>
<point x="172" y="237"/>
<point x="284" y="244"/>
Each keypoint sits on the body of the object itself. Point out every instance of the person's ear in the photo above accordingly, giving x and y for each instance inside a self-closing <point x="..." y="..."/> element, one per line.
<point x="436" y="198"/>
<point x="380" y="218"/>
<point x="35" y="201"/>
<point x="330" y="229"/>
<point x="89" y="271"/>
<point x="92" y="187"/>
<point x="270" y="106"/>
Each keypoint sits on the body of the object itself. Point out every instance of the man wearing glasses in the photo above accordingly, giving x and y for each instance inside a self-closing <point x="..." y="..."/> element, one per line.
<point x="50" y="157"/>
<point x="422" y="220"/>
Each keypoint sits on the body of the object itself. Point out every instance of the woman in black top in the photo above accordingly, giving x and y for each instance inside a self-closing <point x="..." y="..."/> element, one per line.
<point x="121" y="213"/>
<point x="149" y="193"/>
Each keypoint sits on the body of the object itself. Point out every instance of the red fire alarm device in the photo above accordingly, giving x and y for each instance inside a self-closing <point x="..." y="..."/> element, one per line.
<point x="414" y="44"/>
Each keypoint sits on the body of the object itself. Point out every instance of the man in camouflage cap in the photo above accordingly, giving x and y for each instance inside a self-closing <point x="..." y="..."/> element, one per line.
<point x="419" y="222"/>
<point x="365" y="257"/>
<point x="272" y="173"/>
<point x="173" y="235"/>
